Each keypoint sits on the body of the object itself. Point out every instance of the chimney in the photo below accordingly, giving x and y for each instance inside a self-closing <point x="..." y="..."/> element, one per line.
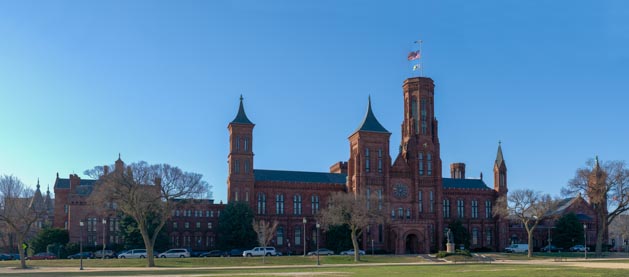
<point x="339" y="167"/>
<point x="457" y="171"/>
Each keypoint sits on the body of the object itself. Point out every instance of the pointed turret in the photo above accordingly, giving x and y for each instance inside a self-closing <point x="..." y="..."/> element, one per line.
<point x="499" y="159"/>
<point x="37" y="202"/>
<point x="370" y="123"/>
<point x="241" y="117"/>
<point x="119" y="164"/>
<point x="500" y="172"/>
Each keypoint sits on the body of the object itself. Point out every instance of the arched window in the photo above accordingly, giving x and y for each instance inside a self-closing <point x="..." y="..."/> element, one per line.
<point x="424" y="116"/>
<point x="297" y="204"/>
<point x="261" y="203"/>
<point x="280" y="236"/>
<point x="488" y="211"/>
<point x="420" y="157"/>
<point x="446" y="208"/>
<point x="367" y="160"/>
<point x="420" y="201"/>
<point x="279" y="204"/>
<point x="460" y="208"/>
<point x="414" y="114"/>
<point x="475" y="235"/>
<point x="315" y="204"/>
<point x="379" y="160"/>
<point x="429" y="163"/>
<point x="474" y="208"/>
<point x="246" y="144"/>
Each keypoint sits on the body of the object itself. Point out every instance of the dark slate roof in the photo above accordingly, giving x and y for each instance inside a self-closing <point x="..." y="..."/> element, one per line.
<point x="241" y="117"/>
<point x="299" y="176"/>
<point x="450" y="183"/>
<point x="65" y="183"/>
<point x="370" y="123"/>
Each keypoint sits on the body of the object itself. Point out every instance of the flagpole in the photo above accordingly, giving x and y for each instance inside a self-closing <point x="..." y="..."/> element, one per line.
<point x="421" y="62"/>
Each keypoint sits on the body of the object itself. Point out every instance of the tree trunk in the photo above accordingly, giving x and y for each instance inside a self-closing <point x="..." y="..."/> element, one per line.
<point x="149" y="246"/>
<point x="530" y="235"/>
<point x="20" y="250"/>
<point x="355" y="244"/>
<point x="600" y="237"/>
<point x="600" y="232"/>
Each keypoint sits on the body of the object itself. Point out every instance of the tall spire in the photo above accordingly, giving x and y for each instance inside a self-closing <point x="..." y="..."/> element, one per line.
<point x="370" y="123"/>
<point x="499" y="158"/>
<point x="37" y="183"/>
<point x="241" y="117"/>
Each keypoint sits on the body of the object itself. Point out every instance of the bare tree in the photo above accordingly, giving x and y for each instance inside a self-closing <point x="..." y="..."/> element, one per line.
<point x="606" y="186"/>
<point x="17" y="210"/>
<point x="527" y="206"/>
<point x="148" y="194"/>
<point x="265" y="231"/>
<point x="355" y="211"/>
<point x="620" y="229"/>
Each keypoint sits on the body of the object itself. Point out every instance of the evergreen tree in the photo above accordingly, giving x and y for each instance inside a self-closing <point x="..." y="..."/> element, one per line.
<point x="234" y="227"/>
<point x="460" y="234"/>
<point x="48" y="236"/>
<point x="568" y="231"/>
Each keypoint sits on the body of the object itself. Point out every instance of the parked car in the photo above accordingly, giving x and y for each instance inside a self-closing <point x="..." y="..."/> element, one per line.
<point x="5" y="257"/>
<point x="260" y="251"/>
<point x="552" y="248"/>
<point x="579" y="248"/>
<point x="107" y="254"/>
<point x="322" y="251"/>
<point x="133" y="253"/>
<point x="175" y="253"/>
<point x="85" y="255"/>
<point x="351" y="252"/>
<point x="517" y="248"/>
<point x="234" y="253"/>
<point x="16" y="256"/>
<point x="214" y="253"/>
<point x="42" y="256"/>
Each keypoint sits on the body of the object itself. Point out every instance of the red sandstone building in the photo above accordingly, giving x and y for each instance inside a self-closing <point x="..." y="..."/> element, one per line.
<point x="422" y="202"/>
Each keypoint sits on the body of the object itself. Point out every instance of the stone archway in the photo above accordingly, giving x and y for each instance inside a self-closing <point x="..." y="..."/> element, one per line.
<point x="411" y="244"/>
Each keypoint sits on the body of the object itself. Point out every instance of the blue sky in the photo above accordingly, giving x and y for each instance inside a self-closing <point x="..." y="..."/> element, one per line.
<point x="81" y="81"/>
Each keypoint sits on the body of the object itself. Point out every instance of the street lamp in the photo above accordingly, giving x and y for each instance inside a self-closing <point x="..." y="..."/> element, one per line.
<point x="304" y="221"/>
<point x="585" y="240"/>
<point x="104" y="224"/>
<point x="81" y="243"/>
<point x="318" y="226"/>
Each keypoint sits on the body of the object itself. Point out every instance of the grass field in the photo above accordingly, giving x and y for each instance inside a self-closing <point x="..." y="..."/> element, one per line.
<point x="305" y="266"/>
<point x="485" y="270"/>
<point x="218" y="262"/>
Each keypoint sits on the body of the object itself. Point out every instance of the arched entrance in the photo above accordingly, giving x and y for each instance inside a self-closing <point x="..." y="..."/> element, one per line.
<point x="412" y="244"/>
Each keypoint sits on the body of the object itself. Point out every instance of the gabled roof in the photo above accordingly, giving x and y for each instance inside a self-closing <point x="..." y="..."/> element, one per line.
<point x="299" y="176"/>
<point x="370" y="123"/>
<point x="451" y="183"/>
<point x="241" y="117"/>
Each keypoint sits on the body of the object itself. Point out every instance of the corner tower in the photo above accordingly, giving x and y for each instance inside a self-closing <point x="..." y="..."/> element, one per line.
<point x="420" y="135"/>
<point x="500" y="173"/>
<point x="240" y="159"/>
<point x="369" y="160"/>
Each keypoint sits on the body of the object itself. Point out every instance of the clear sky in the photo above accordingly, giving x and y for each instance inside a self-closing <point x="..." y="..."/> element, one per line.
<point x="81" y="81"/>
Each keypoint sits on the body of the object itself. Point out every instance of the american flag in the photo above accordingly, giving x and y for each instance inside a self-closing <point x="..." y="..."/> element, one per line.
<point x="414" y="55"/>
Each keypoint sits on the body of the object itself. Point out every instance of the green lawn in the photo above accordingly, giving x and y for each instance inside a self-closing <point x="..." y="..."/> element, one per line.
<point x="485" y="270"/>
<point x="218" y="262"/>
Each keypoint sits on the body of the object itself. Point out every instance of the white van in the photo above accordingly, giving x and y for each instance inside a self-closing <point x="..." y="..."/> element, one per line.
<point x="517" y="248"/>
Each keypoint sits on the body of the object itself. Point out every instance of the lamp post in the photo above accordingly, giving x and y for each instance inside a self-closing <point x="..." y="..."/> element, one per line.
<point x="104" y="224"/>
<point x="585" y="240"/>
<point x="81" y="243"/>
<point x="318" y="226"/>
<point x="304" y="221"/>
